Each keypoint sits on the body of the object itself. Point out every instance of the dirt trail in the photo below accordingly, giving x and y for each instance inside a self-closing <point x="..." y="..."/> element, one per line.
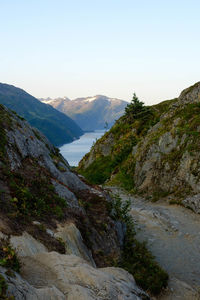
<point x="172" y="234"/>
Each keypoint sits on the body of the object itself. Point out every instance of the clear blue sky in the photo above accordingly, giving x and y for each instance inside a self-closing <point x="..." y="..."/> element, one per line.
<point x="114" y="47"/>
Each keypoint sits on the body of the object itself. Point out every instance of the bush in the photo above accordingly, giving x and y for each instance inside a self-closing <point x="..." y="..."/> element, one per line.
<point x="8" y="256"/>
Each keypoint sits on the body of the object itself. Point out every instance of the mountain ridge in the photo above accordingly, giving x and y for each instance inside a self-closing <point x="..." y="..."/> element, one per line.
<point x="59" y="128"/>
<point x="90" y="113"/>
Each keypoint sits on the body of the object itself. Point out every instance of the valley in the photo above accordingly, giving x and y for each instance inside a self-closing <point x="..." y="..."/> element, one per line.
<point x="100" y="150"/>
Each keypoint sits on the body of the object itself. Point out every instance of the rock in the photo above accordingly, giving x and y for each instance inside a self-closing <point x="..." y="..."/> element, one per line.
<point x="36" y="223"/>
<point x="193" y="202"/>
<point x="21" y="289"/>
<point x="26" y="245"/>
<point x="107" y="145"/>
<point x="50" y="232"/>
<point x="190" y="95"/>
<point x="77" y="280"/>
<point x="74" y="242"/>
<point x="65" y="193"/>
<point x="167" y="143"/>
<point x="121" y="231"/>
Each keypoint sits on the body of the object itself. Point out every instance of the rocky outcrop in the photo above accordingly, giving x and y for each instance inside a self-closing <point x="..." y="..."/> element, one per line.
<point x="78" y="280"/>
<point x="50" y="275"/>
<point x="73" y="240"/>
<point x="26" y="245"/>
<point x="19" y="288"/>
<point x="192" y="202"/>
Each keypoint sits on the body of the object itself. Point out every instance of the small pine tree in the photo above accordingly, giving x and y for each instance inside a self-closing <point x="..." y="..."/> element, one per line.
<point x="136" y="109"/>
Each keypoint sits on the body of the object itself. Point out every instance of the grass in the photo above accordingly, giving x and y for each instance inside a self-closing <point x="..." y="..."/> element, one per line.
<point x="99" y="171"/>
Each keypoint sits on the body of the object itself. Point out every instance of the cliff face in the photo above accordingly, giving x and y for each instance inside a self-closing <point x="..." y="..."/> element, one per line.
<point x="59" y="226"/>
<point x="157" y="156"/>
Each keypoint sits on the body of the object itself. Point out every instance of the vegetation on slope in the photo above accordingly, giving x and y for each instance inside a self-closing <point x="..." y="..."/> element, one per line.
<point x="127" y="133"/>
<point x="148" y="146"/>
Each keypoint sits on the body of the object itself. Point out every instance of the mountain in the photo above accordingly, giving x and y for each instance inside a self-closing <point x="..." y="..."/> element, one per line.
<point x="58" y="128"/>
<point x="90" y="113"/>
<point x="153" y="151"/>
<point x="60" y="237"/>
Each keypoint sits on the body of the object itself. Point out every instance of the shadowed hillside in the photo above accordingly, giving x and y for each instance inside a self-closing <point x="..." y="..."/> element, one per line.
<point x="58" y="128"/>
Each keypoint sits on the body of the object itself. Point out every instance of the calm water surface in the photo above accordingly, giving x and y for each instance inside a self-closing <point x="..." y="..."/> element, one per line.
<point x="73" y="152"/>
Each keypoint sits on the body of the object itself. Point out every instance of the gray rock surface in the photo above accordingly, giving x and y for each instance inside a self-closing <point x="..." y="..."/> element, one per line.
<point x="74" y="242"/>
<point x="26" y="245"/>
<point x="75" y="278"/>
<point x="65" y="193"/>
<point x="21" y="289"/>
<point x="192" y="202"/>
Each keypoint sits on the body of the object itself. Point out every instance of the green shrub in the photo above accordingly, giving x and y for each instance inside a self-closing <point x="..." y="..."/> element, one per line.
<point x="8" y="256"/>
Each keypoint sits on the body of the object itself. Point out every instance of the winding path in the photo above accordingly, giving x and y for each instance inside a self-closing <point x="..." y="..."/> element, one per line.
<point x="172" y="234"/>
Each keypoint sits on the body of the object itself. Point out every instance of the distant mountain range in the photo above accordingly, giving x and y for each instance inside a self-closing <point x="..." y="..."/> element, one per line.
<point x="58" y="127"/>
<point x="90" y="113"/>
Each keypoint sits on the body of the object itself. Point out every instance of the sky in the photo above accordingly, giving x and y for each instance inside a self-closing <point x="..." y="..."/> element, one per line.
<point x="80" y="48"/>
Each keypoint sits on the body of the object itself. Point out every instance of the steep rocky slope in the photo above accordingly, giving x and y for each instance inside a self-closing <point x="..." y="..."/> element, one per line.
<point x="90" y="113"/>
<point x="58" y="127"/>
<point x="155" y="155"/>
<point x="58" y="239"/>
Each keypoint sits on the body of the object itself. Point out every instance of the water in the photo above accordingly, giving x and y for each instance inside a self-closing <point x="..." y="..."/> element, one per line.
<point x="73" y="152"/>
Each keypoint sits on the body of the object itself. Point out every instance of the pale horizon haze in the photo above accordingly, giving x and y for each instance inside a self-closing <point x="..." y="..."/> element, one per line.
<point x="108" y="47"/>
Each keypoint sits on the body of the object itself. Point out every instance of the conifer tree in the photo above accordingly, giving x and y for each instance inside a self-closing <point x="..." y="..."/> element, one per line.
<point x="136" y="109"/>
